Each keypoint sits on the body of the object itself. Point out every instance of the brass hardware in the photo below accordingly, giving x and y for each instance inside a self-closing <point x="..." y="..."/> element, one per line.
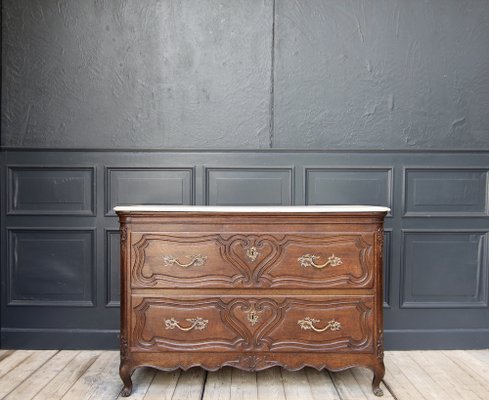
<point x="195" y="260"/>
<point x="252" y="253"/>
<point x="253" y="316"/>
<point x="197" y="323"/>
<point x="308" y="323"/>
<point x="308" y="260"/>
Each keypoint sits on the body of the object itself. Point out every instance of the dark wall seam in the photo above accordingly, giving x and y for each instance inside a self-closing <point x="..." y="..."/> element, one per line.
<point x="272" y="80"/>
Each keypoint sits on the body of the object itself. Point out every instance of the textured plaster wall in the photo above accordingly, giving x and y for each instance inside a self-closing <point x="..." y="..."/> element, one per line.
<point x="382" y="74"/>
<point x="246" y="74"/>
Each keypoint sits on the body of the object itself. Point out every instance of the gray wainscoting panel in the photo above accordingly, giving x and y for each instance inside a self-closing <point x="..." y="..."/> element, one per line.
<point x="387" y="265"/>
<point x="112" y="267"/>
<point x="36" y="190"/>
<point x="60" y="270"/>
<point x="448" y="192"/>
<point x="51" y="267"/>
<point x="249" y="186"/>
<point x="372" y="186"/>
<point x="148" y="186"/>
<point x="444" y="269"/>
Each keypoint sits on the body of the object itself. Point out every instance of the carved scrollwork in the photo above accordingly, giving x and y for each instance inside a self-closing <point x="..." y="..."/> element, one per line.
<point x="380" y="237"/>
<point x="124" y="348"/>
<point x="251" y="362"/>
<point x="380" y="345"/>
<point x="123" y="232"/>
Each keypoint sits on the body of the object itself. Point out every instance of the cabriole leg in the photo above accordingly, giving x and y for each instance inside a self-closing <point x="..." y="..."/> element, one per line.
<point x="379" y="372"/>
<point x="125" y="372"/>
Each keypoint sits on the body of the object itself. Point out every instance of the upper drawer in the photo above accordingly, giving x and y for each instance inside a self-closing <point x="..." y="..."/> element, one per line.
<point x="249" y="260"/>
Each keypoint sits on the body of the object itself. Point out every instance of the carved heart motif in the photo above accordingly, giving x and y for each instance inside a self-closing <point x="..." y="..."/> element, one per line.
<point x="252" y="254"/>
<point x="253" y="319"/>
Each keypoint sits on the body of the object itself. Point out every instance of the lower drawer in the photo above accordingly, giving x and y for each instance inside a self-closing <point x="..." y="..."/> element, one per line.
<point x="231" y="323"/>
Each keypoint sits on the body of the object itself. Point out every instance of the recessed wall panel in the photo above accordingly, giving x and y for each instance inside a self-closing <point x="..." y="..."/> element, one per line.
<point x="365" y="186"/>
<point x="248" y="186"/>
<point x="444" y="269"/>
<point x="51" y="190"/>
<point x="112" y="265"/>
<point x="129" y="186"/>
<point x="387" y="266"/>
<point x="51" y="267"/>
<point x="445" y="192"/>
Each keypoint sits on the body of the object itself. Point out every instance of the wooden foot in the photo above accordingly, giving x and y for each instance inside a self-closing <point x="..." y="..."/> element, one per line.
<point x="125" y="372"/>
<point x="378" y="391"/>
<point x="379" y="372"/>
<point x="126" y="392"/>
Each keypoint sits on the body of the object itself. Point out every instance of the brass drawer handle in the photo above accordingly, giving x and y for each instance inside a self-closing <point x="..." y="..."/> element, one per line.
<point x="309" y="260"/>
<point x="197" y="323"/>
<point x="195" y="260"/>
<point x="308" y="323"/>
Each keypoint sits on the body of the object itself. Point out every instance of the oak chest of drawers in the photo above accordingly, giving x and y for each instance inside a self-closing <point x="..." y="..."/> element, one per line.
<point x="252" y="288"/>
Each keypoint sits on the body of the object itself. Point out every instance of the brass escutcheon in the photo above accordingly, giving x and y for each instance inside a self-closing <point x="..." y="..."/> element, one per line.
<point x="252" y="253"/>
<point x="252" y="316"/>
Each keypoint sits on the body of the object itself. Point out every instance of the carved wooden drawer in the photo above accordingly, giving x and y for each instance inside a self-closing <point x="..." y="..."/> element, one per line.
<point x="251" y="287"/>
<point x="276" y="324"/>
<point x="294" y="260"/>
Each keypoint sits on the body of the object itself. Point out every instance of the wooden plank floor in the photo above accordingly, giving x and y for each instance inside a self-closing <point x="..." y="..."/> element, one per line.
<point x="77" y="375"/>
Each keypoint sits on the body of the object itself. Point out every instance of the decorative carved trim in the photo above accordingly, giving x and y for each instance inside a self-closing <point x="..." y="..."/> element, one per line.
<point x="251" y="362"/>
<point x="268" y="252"/>
<point x="380" y="345"/>
<point x="123" y="231"/>
<point x="261" y="363"/>
<point x="380" y="237"/>
<point x="124" y="348"/>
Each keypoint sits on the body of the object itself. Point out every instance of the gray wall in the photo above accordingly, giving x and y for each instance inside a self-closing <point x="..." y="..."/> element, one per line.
<point x="246" y="74"/>
<point x="377" y="102"/>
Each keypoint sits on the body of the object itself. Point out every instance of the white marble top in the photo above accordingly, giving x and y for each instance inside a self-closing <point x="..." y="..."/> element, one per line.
<point x="251" y="209"/>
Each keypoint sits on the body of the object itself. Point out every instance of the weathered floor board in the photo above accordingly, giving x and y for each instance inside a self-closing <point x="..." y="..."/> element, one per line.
<point x="84" y="375"/>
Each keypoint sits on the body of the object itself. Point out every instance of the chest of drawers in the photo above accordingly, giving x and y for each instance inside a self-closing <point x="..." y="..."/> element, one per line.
<point x="251" y="287"/>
